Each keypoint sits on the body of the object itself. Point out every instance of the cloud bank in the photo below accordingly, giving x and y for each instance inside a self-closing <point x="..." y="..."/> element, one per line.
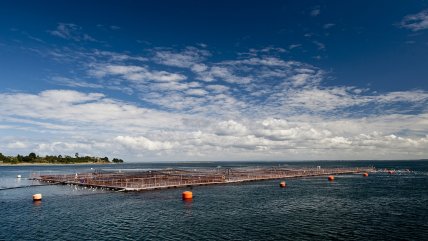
<point x="188" y="104"/>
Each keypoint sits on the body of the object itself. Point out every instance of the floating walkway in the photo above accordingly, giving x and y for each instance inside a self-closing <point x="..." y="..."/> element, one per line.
<point x="174" y="178"/>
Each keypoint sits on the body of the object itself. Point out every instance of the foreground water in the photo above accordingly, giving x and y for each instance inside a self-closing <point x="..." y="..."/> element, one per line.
<point x="381" y="206"/>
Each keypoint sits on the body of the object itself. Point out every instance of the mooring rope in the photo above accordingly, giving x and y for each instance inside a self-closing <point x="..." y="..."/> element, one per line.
<point x="9" y="188"/>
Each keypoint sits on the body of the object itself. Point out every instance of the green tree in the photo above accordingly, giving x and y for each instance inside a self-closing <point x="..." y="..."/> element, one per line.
<point x="116" y="160"/>
<point x="19" y="158"/>
<point x="32" y="155"/>
<point x="27" y="159"/>
<point x="2" y="157"/>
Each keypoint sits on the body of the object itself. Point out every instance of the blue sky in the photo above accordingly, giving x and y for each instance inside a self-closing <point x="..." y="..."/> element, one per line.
<point x="199" y="81"/>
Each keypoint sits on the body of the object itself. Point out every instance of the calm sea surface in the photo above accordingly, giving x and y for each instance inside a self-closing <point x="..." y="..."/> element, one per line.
<point x="379" y="207"/>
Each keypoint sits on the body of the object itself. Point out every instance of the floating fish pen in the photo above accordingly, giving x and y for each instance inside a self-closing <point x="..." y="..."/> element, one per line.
<point x="137" y="180"/>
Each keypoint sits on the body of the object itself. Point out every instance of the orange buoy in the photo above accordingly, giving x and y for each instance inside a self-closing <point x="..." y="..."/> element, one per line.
<point x="331" y="178"/>
<point x="187" y="195"/>
<point x="365" y="174"/>
<point x="37" y="197"/>
<point x="282" y="184"/>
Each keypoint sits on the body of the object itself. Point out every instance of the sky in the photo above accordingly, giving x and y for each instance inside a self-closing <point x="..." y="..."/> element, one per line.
<point x="162" y="81"/>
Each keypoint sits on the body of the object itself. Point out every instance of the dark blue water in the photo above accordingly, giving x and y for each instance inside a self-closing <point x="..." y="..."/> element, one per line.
<point x="379" y="207"/>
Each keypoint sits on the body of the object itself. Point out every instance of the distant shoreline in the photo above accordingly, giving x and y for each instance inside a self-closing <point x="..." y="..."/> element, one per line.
<point x="55" y="164"/>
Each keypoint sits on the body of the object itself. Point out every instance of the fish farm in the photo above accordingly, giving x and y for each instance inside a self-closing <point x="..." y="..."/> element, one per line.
<point x="137" y="180"/>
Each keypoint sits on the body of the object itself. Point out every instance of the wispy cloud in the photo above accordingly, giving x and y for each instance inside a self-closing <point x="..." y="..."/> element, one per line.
<point x="71" y="31"/>
<point x="293" y="46"/>
<point x="59" y="80"/>
<point x="328" y="25"/>
<point x="315" y="11"/>
<point x="134" y="73"/>
<point x="320" y="45"/>
<point x="415" y="22"/>
<point x="189" y="57"/>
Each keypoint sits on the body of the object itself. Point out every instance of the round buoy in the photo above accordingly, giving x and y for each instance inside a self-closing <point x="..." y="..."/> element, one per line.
<point x="331" y="178"/>
<point x="365" y="174"/>
<point x="282" y="184"/>
<point x="37" y="197"/>
<point x="187" y="195"/>
<point x="18" y="176"/>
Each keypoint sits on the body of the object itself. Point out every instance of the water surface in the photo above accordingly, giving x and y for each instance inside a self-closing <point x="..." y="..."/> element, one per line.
<point x="381" y="206"/>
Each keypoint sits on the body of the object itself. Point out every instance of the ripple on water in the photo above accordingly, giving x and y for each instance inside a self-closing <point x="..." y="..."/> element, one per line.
<point x="350" y="208"/>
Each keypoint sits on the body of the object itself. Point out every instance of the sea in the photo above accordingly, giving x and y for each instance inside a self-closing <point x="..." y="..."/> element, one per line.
<point x="381" y="206"/>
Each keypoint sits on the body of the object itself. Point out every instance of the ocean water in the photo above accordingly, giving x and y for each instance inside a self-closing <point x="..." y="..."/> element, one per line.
<point x="378" y="207"/>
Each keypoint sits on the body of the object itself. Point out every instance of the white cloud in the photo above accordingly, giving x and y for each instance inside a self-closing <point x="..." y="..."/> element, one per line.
<point x="172" y="86"/>
<point x="88" y="111"/>
<point x="300" y="79"/>
<point x="134" y="73"/>
<point x="142" y="143"/>
<point x="265" y="61"/>
<point x="415" y="22"/>
<point x="63" y="147"/>
<point x="217" y="88"/>
<point x="197" y="92"/>
<point x="188" y="58"/>
<point x="102" y="126"/>
<point x="403" y="96"/>
<point x="114" y="56"/>
<point x="317" y="99"/>
<point x="223" y="73"/>
<point x="230" y="128"/>
<point x="197" y="68"/>
<point x="16" y="145"/>
<point x="279" y="130"/>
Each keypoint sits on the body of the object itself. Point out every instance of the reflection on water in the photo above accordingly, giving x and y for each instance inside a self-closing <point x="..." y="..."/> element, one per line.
<point x="187" y="208"/>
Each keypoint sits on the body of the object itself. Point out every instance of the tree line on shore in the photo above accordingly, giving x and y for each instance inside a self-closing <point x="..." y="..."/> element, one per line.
<point x="33" y="158"/>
